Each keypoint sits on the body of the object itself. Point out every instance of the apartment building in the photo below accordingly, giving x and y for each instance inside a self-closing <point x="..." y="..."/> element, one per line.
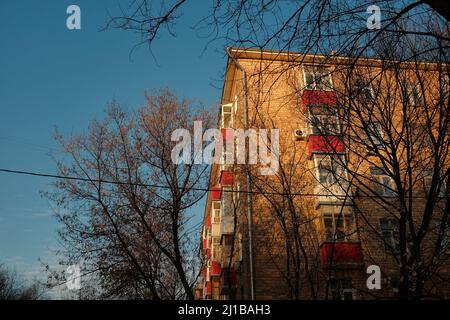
<point x="332" y="209"/>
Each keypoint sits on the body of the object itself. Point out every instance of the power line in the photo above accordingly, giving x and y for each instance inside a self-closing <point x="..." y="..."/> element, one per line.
<point x="55" y="176"/>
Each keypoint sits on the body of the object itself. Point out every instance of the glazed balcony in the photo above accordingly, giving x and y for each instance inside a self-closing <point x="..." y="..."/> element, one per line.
<point x="319" y="97"/>
<point x="227" y="225"/>
<point x="324" y="144"/>
<point x="341" y="254"/>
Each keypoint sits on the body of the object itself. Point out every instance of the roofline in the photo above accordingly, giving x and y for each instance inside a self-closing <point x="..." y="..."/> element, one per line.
<point x="332" y="59"/>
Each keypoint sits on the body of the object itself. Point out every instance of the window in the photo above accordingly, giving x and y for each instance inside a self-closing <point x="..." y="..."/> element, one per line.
<point x="227" y="202"/>
<point x="413" y="95"/>
<point x="382" y="184"/>
<point x="445" y="244"/>
<point x="428" y="179"/>
<point x="342" y="289"/>
<point x="445" y="85"/>
<point x="330" y="171"/>
<point x="316" y="78"/>
<point x="362" y="90"/>
<point x="339" y="224"/>
<point x="216" y="211"/>
<point x="323" y="121"/>
<point x="215" y="249"/>
<point x="375" y="135"/>
<point x="227" y="115"/>
<point x="237" y="194"/>
<point x="390" y="234"/>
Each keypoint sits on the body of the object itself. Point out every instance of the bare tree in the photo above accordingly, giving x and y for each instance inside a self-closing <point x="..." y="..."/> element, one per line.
<point x="123" y="207"/>
<point x="12" y="288"/>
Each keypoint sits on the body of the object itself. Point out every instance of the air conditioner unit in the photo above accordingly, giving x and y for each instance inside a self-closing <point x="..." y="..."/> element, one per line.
<point x="300" y="134"/>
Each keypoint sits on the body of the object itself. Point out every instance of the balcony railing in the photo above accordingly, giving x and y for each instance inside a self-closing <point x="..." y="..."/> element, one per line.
<point x="226" y="178"/>
<point x="227" y="134"/>
<point x="208" y="221"/>
<point x="216" y="193"/>
<point x="215" y="269"/>
<point x="208" y="288"/>
<point x="325" y="144"/>
<point x="341" y="254"/>
<point x="319" y="97"/>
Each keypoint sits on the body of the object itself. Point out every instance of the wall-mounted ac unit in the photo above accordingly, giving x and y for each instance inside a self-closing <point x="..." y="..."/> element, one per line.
<point x="300" y="134"/>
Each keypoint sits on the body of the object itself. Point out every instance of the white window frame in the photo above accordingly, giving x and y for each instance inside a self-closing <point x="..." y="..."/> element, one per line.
<point x="320" y="128"/>
<point x="385" y="183"/>
<point x="413" y="94"/>
<point x="366" y="86"/>
<point x="393" y="243"/>
<point x="376" y="132"/>
<point x="427" y="177"/>
<point x="333" y="185"/>
<point x="339" y="288"/>
<point x="228" y="111"/>
<point x="215" y="212"/>
<point x="347" y="219"/>
<point x="315" y="85"/>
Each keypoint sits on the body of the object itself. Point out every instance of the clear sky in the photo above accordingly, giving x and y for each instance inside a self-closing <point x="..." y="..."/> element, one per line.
<point x="51" y="76"/>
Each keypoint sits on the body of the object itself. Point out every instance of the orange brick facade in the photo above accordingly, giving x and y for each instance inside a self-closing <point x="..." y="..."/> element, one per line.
<point x="337" y="234"/>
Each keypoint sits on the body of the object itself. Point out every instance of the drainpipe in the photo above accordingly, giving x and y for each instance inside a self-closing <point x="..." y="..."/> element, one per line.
<point x="249" y="198"/>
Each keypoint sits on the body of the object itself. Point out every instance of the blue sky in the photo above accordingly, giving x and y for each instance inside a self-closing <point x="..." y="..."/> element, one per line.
<point x="50" y="76"/>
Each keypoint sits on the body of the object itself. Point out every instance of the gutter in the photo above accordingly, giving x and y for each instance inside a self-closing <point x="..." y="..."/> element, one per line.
<point x="249" y="197"/>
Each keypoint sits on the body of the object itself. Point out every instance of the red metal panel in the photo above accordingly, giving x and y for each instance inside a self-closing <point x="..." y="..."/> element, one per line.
<point x="208" y="221"/>
<point x="227" y="134"/>
<point x="319" y="97"/>
<point x="215" y="269"/>
<point x="204" y="272"/>
<point x="341" y="253"/>
<point x="208" y="287"/>
<point x="325" y="144"/>
<point x="226" y="178"/>
<point x="216" y="193"/>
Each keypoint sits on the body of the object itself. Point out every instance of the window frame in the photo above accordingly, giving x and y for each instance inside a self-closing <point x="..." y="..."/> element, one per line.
<point x="387" y="190"/>
<point x="363" y="87"/>
<point x="331" y="128"/>
<point x="315" y="85"/>
<point x="348" y="230"/>
<point x="393" y="244"/>
<point x="228" y="112"/>
<point x="336" y="184"/>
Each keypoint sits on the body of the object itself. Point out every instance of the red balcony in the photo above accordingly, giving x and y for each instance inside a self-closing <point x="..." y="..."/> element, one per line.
<point x="208" y="221"/>
<point x="204" y="272"/>
<point x="226" y="178"/>
<point x="208" y="288"/>
<point x="227" y="134"/>
<point x="216" y="193"/>
<point x="228" y="280"/>
<point x="341" y="254"/>
<point x="325" y="144"/>
<point x="318" y="97"/>
<point x="215" y="269"/>
<point x="205" y="245"/>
